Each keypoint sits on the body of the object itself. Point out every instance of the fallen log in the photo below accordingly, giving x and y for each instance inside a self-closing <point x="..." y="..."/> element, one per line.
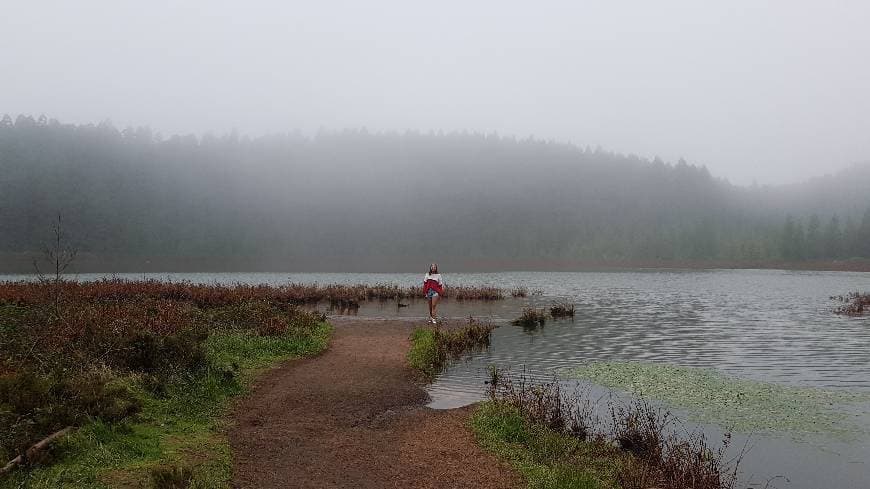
<point x="33" y="453"/>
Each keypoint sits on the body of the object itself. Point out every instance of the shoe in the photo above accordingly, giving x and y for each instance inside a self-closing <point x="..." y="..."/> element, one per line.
<point x="433" y="320"/>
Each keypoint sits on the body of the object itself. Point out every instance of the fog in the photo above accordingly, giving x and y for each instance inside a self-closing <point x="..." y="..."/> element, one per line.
<point x="767" y="92"/>
<point x="362" y="201"/>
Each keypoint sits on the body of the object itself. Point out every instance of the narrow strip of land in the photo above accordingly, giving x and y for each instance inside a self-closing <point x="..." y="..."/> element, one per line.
<point x="354" y="417"/>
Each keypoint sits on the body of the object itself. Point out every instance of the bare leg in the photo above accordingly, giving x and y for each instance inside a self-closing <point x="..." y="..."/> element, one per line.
<point x="431" y="309"/>
<point x="434" y="305"/>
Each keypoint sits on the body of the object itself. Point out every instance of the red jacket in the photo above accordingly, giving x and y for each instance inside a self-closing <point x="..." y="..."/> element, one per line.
<point x="434" y="285"/>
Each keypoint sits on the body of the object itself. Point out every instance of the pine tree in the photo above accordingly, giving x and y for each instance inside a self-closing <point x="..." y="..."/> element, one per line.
<point x="833" y="239"/>
<point x="863" y="243"/>
<point x="814" y="243"/>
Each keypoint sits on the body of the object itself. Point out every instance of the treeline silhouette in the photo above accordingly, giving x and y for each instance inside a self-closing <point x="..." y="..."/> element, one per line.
<point x="358" y="199"/>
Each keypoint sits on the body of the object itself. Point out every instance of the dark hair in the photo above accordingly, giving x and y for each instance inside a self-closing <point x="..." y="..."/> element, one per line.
<point x="435" y="265"/>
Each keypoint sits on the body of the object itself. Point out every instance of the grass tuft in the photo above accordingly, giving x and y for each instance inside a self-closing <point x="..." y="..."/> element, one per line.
<point x="432" y="348"/>
<point x="171" y="477"/>
<point x="562" y="310"/>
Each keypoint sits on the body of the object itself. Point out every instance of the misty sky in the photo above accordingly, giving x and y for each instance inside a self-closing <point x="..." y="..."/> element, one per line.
<point x="772" y="91"/>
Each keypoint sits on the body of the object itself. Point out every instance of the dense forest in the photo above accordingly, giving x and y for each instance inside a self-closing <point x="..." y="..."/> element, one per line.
<point x="353" y="200"/>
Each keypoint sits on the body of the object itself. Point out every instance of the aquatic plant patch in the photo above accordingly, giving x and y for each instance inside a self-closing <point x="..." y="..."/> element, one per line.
<point x="737" y="404"/>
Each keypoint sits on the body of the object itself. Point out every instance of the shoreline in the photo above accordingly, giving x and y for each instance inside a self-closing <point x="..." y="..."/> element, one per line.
<point x="22" y="264"/>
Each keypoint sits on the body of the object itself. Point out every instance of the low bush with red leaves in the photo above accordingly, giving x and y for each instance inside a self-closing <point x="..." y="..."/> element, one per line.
<point x="72" y="350"/>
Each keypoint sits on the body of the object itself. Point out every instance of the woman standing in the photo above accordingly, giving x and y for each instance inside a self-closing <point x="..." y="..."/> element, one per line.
<point x="433" y="288"/>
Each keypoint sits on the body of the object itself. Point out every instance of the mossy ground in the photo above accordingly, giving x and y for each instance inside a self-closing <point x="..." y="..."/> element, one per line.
<point x="182" y="427"/>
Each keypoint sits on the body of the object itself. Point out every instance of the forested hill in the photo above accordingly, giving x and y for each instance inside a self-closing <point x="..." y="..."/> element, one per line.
<point x="359" y="201"/>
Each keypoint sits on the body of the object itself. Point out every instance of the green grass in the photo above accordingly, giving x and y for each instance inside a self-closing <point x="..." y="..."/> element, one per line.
<point x="545" y="458"/>
<point x="184" y="427"/>
<point x="738" y="404"/>
<point x="432" y="348"/>
<point x="424" y="355"/>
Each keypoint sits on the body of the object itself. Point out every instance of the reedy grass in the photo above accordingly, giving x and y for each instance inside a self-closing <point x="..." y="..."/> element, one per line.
<point x="554" y="440"/>
<point x="519" y="292"/>
<point x="214" y="295"/>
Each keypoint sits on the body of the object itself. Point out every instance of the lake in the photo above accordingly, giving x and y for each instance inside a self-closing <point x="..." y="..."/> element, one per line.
<point x="763" y="325"/>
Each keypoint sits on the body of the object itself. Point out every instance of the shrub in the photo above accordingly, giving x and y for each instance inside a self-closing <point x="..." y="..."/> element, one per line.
<point x="151" y="353"/>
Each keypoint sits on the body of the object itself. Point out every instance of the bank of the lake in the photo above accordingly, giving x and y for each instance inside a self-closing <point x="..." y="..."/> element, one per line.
<point x="88" y="263"/>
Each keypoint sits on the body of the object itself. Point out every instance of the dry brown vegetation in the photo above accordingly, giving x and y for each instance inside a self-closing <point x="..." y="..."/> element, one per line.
<point x="531" y="318"/>
<point x="853" y="303"/>
<point x="519" y="292"/>
<point x="218" y="294"/>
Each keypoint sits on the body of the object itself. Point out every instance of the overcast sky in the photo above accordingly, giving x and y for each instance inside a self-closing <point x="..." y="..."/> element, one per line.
<point x="771" y="91"/>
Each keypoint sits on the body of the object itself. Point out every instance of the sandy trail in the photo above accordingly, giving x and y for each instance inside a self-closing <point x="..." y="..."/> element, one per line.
<point x="354" y="417"/>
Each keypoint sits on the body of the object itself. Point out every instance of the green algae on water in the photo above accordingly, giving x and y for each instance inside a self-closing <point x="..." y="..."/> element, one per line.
<point x="738" y="404"/>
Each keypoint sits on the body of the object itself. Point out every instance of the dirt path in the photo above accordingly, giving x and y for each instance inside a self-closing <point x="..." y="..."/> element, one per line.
<point x="353" y="417"/>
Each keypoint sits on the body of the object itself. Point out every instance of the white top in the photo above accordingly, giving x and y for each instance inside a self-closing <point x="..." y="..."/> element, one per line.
<point x="434" y="276"/>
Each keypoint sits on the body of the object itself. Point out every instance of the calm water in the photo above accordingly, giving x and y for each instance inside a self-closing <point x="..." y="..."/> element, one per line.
<point x="774" y="326"/>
